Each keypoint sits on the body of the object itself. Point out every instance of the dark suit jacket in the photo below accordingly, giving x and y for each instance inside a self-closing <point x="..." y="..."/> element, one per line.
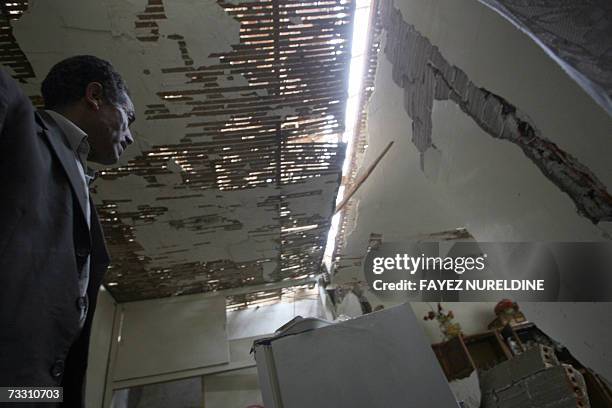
<point x="44" y="240"/>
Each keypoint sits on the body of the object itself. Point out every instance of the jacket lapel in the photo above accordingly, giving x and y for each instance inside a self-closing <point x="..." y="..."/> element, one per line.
<point x="98" y="245"/>
<point x="66" y="156"/>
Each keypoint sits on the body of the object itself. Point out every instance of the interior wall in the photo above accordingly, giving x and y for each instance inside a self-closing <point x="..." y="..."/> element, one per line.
<point x="489" y="184"/>
<point x="168" y="335"/>
<point x="99" y="348"/>
<point x="584" y="328"/>
<point x="264" y="320"/>
<point x="236" y="389"/>
<point x="184" y="393"/>
<point x="471" y="179"/>
<point x="473" y="317"/>
<point x="227" y="389"/>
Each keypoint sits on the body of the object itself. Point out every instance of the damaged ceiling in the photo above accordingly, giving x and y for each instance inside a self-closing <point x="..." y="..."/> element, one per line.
<point x="233" y="177"/>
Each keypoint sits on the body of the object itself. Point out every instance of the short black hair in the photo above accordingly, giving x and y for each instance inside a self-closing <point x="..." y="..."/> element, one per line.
<point x="66" y="82"/>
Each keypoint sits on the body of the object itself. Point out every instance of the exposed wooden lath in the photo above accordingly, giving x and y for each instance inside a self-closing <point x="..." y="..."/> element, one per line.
<point x="349" y="213"/>
<point x="11" y="55"/>
<point x="301" y="67"/>
<point x="146" y="25"/>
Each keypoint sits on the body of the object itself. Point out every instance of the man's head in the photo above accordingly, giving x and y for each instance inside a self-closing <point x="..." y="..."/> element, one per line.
<point x="89" y="92"/>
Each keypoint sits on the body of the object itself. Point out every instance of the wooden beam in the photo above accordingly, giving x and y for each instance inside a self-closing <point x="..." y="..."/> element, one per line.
<point x="360" y="180"/>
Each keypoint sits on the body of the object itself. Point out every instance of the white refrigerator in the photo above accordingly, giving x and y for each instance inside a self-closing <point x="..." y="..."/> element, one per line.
<point x="380" y="360"/>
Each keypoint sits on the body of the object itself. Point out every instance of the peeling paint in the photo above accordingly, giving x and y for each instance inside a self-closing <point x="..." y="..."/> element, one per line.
<point x="146" y="25"/>
<point x="12" y="55"/>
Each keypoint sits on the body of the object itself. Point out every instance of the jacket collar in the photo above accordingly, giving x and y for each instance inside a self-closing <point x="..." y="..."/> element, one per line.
<point x="76" y="137"/>
<point x="65" y="154"/>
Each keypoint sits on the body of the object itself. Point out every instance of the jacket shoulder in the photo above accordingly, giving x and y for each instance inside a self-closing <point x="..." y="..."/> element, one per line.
<point x="12" y="99"/>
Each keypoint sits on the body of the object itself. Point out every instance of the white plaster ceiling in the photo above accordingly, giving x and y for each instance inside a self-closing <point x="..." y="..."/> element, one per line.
<point x="236" y="164"/>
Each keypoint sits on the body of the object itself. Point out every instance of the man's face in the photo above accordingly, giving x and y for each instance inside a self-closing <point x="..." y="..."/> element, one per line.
<point x="109" y="133"/>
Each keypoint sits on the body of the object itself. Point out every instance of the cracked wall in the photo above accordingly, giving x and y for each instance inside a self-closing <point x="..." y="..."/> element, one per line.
<point x="424" y="74"/>
<point x="445" y="169"/>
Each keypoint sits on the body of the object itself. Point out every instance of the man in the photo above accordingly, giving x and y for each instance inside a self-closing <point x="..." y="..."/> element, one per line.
<point x="52" y="251"/>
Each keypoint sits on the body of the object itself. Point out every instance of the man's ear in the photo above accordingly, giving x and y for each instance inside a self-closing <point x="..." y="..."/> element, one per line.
<point x="94" y="93"/>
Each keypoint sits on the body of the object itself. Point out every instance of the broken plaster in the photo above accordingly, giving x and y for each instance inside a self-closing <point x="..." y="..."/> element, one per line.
<point x="209" y="194"/>
<point x="424" y="74"/>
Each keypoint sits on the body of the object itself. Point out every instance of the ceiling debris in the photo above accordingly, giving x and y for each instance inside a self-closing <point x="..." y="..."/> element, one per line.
<point x="238" y="158"/>
<point x="12" y="56"/>
<point x="427" y="75"/>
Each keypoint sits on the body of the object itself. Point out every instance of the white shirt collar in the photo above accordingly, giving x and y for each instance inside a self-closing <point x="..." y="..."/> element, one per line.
<point x="76" y="137"/>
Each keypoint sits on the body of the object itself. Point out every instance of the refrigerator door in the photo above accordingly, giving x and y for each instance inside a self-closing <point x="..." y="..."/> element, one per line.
<point x="378" y="360"/>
